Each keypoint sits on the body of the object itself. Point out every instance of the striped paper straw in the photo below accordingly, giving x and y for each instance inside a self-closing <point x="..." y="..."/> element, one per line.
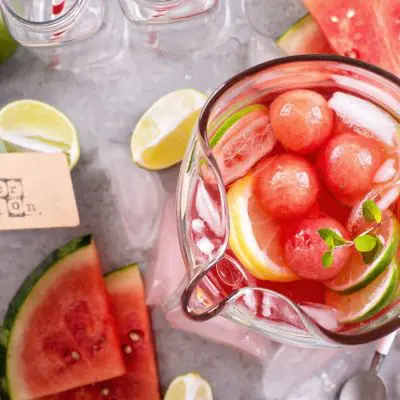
<point x="57" y="7"/>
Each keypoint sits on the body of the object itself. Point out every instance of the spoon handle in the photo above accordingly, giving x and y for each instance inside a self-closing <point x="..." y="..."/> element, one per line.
<point x="382" y="349"/>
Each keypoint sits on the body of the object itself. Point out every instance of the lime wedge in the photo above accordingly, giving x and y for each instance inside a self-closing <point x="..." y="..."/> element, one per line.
<point x="357" y="274"/>
<point x="33" y="126"/>
<point x="230" y="121"/>
<point x="365" y="303"/>
<point x="189" y="387"/>
<point x="7" y="44"/>
<point x="160" y="137"/>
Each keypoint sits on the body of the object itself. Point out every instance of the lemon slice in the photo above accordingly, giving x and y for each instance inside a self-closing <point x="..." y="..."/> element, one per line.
<point x="33" y="126"/>
<point x="189" y="387"/>
<point x="160" y="137"/>
<point x="254" y="236"/>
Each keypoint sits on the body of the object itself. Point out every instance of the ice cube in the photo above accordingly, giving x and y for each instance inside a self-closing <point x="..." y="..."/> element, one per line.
<point x="359" y="113"/>
<point x="386" y="172"/>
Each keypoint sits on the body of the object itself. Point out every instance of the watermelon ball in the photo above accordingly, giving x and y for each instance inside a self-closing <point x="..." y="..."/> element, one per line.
<point x="301" y="120"/>
<point x="285" y="186"/>
<point x="348" y="164"/>
<point x="303" y="248"/>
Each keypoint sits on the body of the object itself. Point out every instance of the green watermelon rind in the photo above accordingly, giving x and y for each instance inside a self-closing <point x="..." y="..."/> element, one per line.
<point x="127" y="267"/>
<point x="305" y="20"/>
<point x="24" y="291"/>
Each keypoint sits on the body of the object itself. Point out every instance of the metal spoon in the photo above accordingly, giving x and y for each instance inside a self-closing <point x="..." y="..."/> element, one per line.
<point x="368" y="385"/>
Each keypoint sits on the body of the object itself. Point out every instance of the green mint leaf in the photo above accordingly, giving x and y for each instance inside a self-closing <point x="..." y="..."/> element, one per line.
<point x="371" y="212"/>
<point x="329" y="236"/>
<point x="365" y="243"/>
<point x="327" y="259"/>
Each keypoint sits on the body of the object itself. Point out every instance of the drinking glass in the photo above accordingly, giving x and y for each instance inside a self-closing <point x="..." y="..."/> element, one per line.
<point x="164" y="11"/>
<point x="69" y="34"/>
<point x="217" y="283"/>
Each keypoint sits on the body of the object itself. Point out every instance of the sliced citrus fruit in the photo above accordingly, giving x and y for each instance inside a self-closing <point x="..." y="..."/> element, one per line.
<point x="365" y="303"/>
<point x="189" y="387"/>
<point x="160" y="137"/>
<point x="33" y="126"/>
<point x="255" y="236"/>
<point x="7" y="44"/>
<point x="241" y="141"/>
<point x="357" y="274"/>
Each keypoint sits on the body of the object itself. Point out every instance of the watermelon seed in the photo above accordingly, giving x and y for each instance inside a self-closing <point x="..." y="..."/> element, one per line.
<point x="334" y="19"/>
<point x="351" y="13"/>
<point x="128" y="349"/>
<point x="75" y="356"/>
<point x="105" y="392"/>
<point x="135" y="337"/>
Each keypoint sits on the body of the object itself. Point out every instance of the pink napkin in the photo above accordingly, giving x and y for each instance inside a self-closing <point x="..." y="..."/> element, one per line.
<point x="167" y="272"/>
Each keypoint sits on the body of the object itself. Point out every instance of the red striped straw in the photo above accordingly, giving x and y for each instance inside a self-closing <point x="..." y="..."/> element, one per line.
<point x="57" y="6"/>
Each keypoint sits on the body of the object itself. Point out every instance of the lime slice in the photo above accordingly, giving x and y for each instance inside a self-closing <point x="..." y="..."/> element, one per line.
<point x="189" y="387"/>
<point x="160" y="137"/>
<point x="254" y="236"/>
<point x="368" y="301"/>
<point x="33" y="126"/>
<point x="7" y="44"/>
<point x="357" y="274"/>
<point x="230" y="121"/>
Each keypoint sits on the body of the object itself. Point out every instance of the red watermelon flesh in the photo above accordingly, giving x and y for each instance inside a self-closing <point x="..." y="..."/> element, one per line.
<point x="361" y="29"/>
<point x="126" y="292"/>
<point x="63" y="335"/>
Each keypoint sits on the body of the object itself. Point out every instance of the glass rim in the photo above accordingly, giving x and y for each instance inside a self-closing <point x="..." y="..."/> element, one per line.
<point x="340" y="338"/>
<point x="55" y="23"/>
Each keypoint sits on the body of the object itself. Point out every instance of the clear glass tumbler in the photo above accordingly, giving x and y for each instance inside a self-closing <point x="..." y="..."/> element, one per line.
<point x="164" y="11"/>
<point x="217" y="282"/>
<point x="57" y="31"/>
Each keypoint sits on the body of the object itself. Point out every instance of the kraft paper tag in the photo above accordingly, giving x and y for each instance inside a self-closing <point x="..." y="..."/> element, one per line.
<point x="36" y="192"/>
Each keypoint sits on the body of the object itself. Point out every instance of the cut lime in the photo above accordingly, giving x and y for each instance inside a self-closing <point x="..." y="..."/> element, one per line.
<point x="160" y="137"/>
<point x="7" y="44"/>
<point x="357" y="274"/>
<point x="232" y="120"/>
<point x="189" y="387"/>
<point x="368" y="301"/>
<point x="33" y="126"/>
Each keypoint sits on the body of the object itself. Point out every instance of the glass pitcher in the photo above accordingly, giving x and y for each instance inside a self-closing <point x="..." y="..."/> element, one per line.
<point x="218" y="283"/>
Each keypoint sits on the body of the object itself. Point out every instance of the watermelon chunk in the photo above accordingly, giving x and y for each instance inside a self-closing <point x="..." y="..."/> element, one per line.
<point x="58" y="329"/>
<point x="126" y="291"/>
<point x="366" y="30"/>
<point x="304" y="37"/>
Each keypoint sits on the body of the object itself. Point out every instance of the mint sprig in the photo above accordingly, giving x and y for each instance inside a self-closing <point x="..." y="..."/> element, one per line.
<point x="368" y="245"/>
<point x="371" y="212"/>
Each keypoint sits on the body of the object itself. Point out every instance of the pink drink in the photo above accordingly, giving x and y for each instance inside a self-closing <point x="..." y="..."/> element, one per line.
<point x="300" y="162"/>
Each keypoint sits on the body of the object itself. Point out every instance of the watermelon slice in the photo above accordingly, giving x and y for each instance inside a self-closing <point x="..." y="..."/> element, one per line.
<point x="304" y="37"/>
<point x="126" y="291"/>
<point x="59" y="331"/>
<point x="366" y="30"/>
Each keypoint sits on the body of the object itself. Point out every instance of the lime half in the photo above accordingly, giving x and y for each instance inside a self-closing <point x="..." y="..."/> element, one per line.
<point x="365" y="303"/>
<point x="357" y="274"/>
<point x="33" y="126"/>
<point x="160" y="137"/>
<point x="7" y="44"/>
<point x="189" y="387"/>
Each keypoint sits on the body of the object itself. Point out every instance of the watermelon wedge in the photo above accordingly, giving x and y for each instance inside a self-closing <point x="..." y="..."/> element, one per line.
<point x="126" y="291"/>
<point x="366" y="30"/>
<point x="304" y="37"/>
<point x="58" y="330"/>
